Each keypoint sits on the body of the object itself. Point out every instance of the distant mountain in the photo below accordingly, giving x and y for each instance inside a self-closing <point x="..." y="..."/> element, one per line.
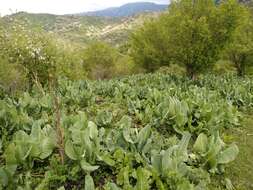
<point x="126" y="10"/>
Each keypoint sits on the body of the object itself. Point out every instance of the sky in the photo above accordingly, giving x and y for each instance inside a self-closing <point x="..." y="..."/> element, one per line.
<point x="62" y="6"/>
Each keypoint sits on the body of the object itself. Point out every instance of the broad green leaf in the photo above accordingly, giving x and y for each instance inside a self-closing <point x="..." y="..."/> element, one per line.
<point x="93" y="130"/>
<point x="127" y="136"/>
<point x="228" y="155"/>
<point x="23" y="151"/>
<point x="88" y="145"/>
<point x="10" y="155"/>
<point x="6" y="174"/>
<point x="123" y="177"/>
<point x="119" y="155"/>
<point x="183" y="144"/>
<point x="156" y="161"/>
<point x="125" y="122"/>
<point x="47" y="147"/>
<point x="212" y="164"/>
<point x="142" y="179"/>
<point x="228" y="184"/>
<point x="107" y="159"/>
<point x="89" y="184"/>
<point x="143" y="137"/>
<point x="3" y="178"/>
<point x="201" y="143"/>
<point x="87" y="167"/>
<point x="36" y="149"/>
<point x="167" y="162"/>
<point x="147" y="147"/>
<point x="36" y="131"/>
<point x="69" y="150"/>
<point x="21" y="136"/>
<point x="11" y="169"/>
<point x="215" y="146"/>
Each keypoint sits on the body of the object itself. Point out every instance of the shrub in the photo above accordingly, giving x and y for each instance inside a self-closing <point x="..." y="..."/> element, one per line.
<point x="190" y="33"/>
<point x="172" y="69"/>
<point x="223" y="67"/>
<point x="12" y="77"/>
<point x="124" y="66"/>
<point x="70" y="64"/>
<point x="35" y="51"/>
<point x="99" y="59"/>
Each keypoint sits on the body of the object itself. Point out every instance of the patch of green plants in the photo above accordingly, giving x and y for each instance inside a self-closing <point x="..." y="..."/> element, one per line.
<point x="151" y="131"/>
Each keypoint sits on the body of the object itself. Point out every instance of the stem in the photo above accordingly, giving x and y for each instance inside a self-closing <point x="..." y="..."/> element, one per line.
<point x="53" y="84"/>
<point x="38" y="84"/>
<point x="60" y="134"/>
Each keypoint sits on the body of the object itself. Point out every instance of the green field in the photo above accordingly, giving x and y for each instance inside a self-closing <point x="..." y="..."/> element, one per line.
<point x="149" y="131"/>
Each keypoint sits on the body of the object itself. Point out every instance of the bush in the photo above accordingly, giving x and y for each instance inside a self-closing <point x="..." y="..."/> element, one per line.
<point x="193" y="34"/>
<point x="100" y="59"/>
<point x="149" y="46"/>
<point x="223" y="67"/>
<point x="12" y="77"/>
<point x="172" y="69"/>
<point x="124" y="66"/>
<point x="70" y="64"/>
<point x="34" y="51"/>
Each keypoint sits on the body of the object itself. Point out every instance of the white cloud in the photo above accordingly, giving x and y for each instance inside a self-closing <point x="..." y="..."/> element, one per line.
<point x="61" y="6"/>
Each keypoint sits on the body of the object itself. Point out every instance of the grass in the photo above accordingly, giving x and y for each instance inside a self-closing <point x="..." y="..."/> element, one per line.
<point x="241" y="170"/>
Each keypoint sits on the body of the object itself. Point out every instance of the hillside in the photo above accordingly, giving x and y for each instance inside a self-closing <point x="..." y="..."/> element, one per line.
<point x="80" y="29"/>
<point x="126" y="10"/>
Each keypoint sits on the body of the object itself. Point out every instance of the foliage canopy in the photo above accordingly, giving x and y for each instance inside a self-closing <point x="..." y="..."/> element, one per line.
<point x="191" y="33"/>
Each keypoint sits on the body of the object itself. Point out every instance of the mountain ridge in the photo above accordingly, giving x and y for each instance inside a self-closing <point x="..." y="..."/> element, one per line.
<point x="126" y="10"/>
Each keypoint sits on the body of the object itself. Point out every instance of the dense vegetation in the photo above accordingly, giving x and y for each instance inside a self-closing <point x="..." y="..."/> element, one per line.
<point x="143" y="132"/>
<point x="194" y="36"/>
<point x="157" y="117"/>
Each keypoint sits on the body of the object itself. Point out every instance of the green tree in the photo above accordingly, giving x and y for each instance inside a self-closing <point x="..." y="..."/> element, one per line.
<point x="100" y="59"/>
<point x="191" y="33"/>
<point x="240" y="50"/>
<point x="33" y="50"/>
<point x="149" y="45"/>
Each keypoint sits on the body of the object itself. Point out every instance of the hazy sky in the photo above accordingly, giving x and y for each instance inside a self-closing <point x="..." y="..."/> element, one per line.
<point x="62" y="6"/>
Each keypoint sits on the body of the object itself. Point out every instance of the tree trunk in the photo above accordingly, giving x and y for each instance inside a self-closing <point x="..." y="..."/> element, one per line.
<point x="240" y="66"/>
<point x="190" y="72"/>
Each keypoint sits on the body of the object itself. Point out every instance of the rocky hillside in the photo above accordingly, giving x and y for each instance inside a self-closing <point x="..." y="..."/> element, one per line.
<point x="78" y="29"/>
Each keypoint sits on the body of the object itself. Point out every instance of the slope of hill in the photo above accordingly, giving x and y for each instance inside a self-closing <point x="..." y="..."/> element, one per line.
<point x="78" y="29"/>
<point x="129" y="9"/>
